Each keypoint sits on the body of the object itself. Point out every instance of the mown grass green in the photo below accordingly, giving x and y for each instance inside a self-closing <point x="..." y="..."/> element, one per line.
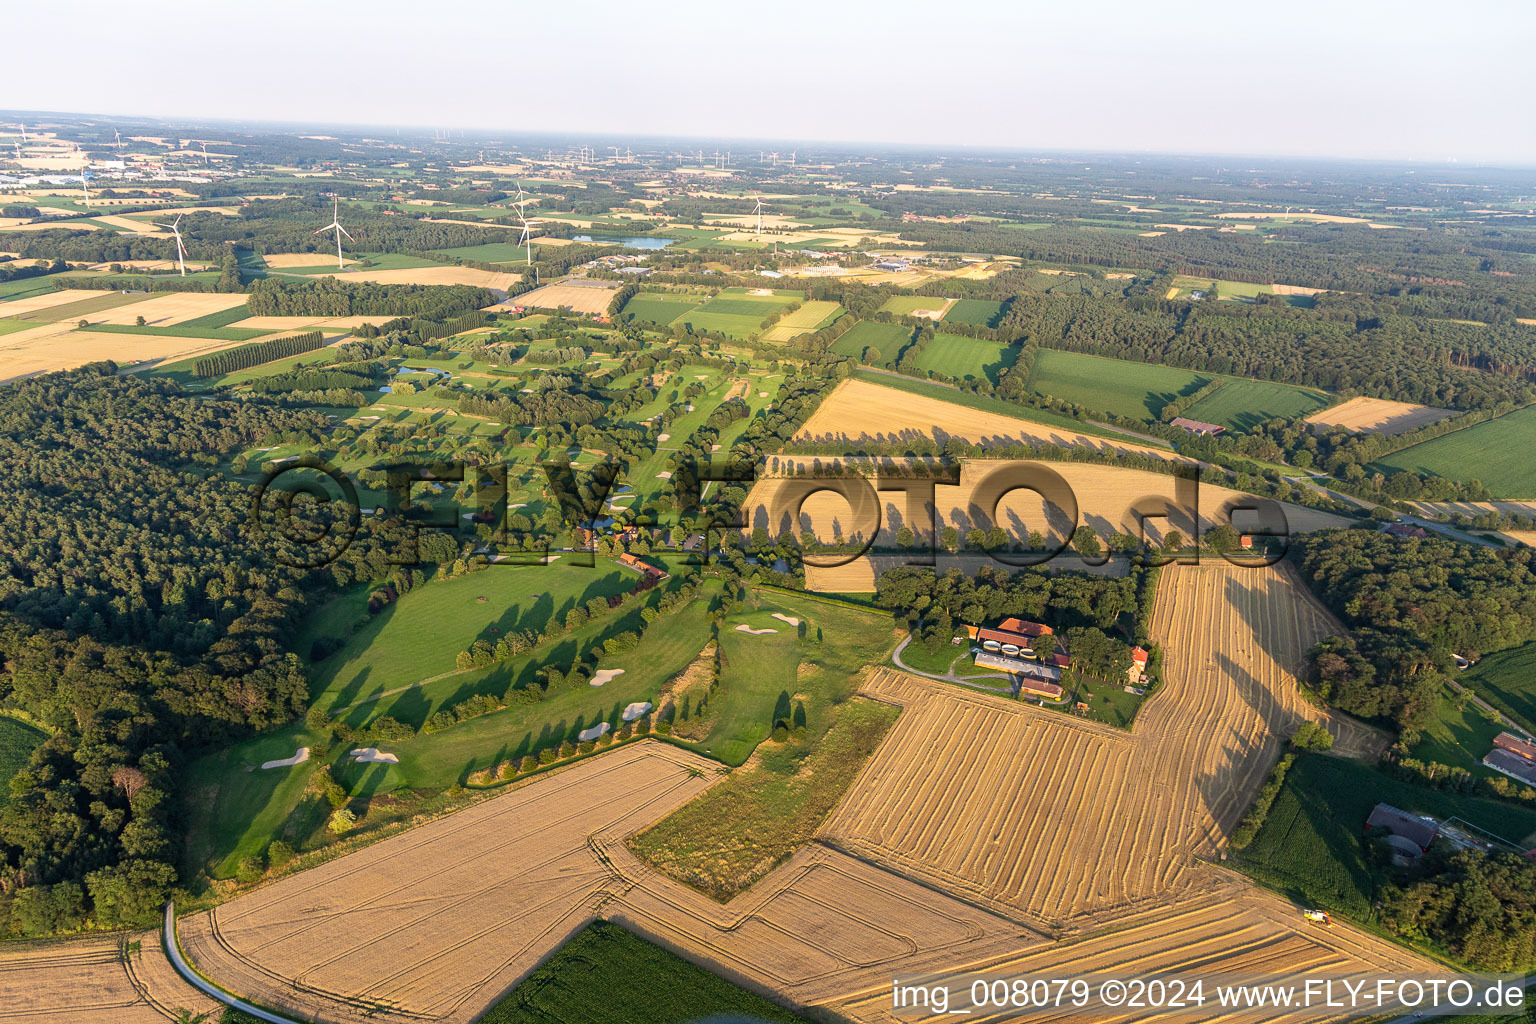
<point x="1495" y="452"/>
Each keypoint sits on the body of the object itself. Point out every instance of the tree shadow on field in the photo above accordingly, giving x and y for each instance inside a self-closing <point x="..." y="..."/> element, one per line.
<point x="348" y="694"/>
<point x="1249" y="600"/>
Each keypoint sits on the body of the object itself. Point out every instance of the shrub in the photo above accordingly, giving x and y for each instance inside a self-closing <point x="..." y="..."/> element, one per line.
<point x="249" y="869"/>
<point x="547" y="755"/>
<point x="528" y="764"/>
<point x="342" y="820"/>
<point x="567" y="749"/>
<point x="279" y="853"/>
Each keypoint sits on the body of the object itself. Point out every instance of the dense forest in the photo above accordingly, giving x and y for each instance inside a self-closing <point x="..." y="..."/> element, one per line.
<point x="138" y="623"/>
<point x="1409" y="605"/>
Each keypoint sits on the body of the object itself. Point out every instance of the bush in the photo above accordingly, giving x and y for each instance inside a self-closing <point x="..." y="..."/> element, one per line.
<point x="547" y="755"/>
<point x="249" y="870"/>
<point x="279" y="853"/>
<point x="342" y="820"/>
<point x="387" y="728"/>
<point x="528" y="764"/>
<point x="567" y="749"/>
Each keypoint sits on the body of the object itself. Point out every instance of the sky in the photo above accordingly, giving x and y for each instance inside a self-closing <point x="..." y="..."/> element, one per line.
<point x="1398" y="80"/>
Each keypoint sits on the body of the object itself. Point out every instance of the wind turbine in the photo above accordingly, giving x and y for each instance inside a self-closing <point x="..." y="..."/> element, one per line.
<point x="205" y="154"/>
<point x="791" y="158"/>
<point x="336" y="223"/>
<point x="181" y="249"/>
<point x="18" y="150"/>
<point x="24" y="137"/>
<point x="117" y="138"/>
<point x="527" y="236"/>
<point x="85" y="181"/>
<point x="759" y="212"/>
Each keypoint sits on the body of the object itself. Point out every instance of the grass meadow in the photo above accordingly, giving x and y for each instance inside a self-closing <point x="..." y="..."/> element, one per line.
<point x="1496" y="452"/>
<point x="888" y="339"/>
<point x="966" y="358"/>
<point x="976" y="312"/>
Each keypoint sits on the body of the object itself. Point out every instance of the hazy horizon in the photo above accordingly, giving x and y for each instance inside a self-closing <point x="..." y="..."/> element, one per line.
<point x="1370" y="81"/>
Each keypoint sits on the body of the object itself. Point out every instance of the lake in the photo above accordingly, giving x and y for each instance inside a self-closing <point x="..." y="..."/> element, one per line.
<point x="632" y="242"/>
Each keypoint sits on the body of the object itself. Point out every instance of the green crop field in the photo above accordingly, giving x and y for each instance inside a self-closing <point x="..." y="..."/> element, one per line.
<point x="740" y="327"/>
<point x="12" y="326"/>
<point x="25" y="287"/>
<point x="1310" y="846"/>
<point x="908" y="305"/>
<point x="890" y="339"/>
<point x="811" y="317"/>
<point x="1243" y="404"/>
<point x="1496" y="452"/>
<point x="1507" y="680"/>
<point x="223" y="318"/>
<point x="490" y="252"/>
<point x="976" y="312"/>
<point x="758" y="308"/>
<point x="659" y="307"/>
<point x="183" y="331"/>
<point x="607" y="975"/>
<point x="966" y="358"/>
<point x="1135" y="390"/>
<point x="17" y="741"/>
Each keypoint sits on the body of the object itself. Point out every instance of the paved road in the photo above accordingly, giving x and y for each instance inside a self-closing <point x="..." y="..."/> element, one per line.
<point x="196" y="980"/>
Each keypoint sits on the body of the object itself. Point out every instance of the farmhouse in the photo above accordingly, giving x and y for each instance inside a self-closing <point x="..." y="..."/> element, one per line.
<point x="1420" y="831"/>
<point x="1138" y="670"/>
<point x="1197" y="427"/>
<point x="1405" y="531"/>
<point x="1513" y="756"/>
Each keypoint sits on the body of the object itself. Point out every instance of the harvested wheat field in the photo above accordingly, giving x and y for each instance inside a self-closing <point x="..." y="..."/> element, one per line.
<point x="1232" y="927"/>
<point x="94" y="981"/>
<point x="50" y="347"/>
<point x="284" y="260"/>
<point x="160" y="265"/>
<point x="171" y="308"/>
<point x="436" y="923"/>
<point x="858" y="410"/>
<point x="47" y="300"/>
<point x="1377" y="415"/>
<point x="580" y="298"/>
<point x="818" y="926"/>
<point x="494" y="280"/>
<point x="1106" y="498"/>
<point x="1068" y="823"/>
<point x="295" y="323"/>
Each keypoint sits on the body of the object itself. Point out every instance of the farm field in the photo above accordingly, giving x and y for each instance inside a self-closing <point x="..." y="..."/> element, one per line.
<point x="659" y="307"/>
<point x="916" y="305"/>
<point x="966" y="358"/>
<point x="888" y="339"/>
<point x="95" y="981"/>
<point x="736" y="312"/>
<point x="44" y="348"/>
<point x="975" y="312"/>
<point x="605" y="958"/>
<point x="1135" y="390"/>
<point x="1494" y="452"/>
<point x="810" y="317"/>
<point x="467" y="918"/>
<point x="592" y="300"/>
<point x="859" y="409"/>
<point x="1244" y="404"/>
<point x="1072" y="823"/>
<point x="1105" y="497"/>
<point x="491" y="252"/>
<point x="1377" y="415"/>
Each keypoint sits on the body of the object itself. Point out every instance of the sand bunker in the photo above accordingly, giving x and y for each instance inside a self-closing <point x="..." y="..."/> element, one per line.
<point x="373" y="755"/>
<point x="663" y="437"/>
<point x="636" y="709"/>
<point x="299" y="757"/>
<point x="594" y="732"/>
<point x="786" y="618"/>
<point x="744" y="628"/>
<point x="665" y="474"/>
<point x="606" y="675"/>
